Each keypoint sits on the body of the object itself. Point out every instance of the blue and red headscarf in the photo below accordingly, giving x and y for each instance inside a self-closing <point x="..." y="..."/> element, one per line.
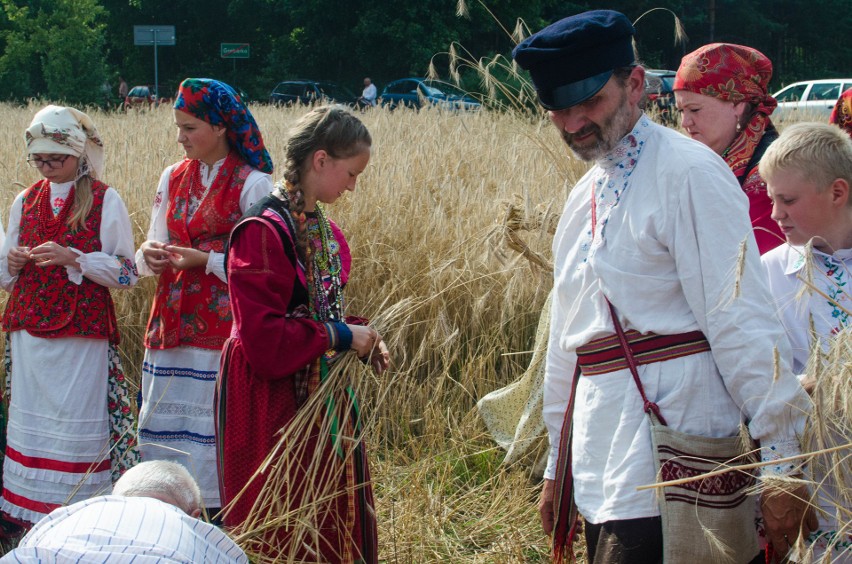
<point x="217" y="103"/>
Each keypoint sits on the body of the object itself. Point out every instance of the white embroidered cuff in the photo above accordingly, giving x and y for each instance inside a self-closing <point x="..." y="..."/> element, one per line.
<point x="777" y="451"/>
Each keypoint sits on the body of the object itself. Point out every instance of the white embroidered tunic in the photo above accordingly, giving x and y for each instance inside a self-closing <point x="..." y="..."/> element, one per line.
<point x="825" y="315"/>
<point x="670" y="218"/>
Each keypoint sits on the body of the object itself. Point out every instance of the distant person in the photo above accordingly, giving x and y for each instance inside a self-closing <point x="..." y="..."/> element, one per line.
<point x="197" y="203"/>
<point x="122" y="88"/>
<point x="841" y="115"/>
<point x="809" y="173"/>
<point x="69" y="242"/>
<point x="368" y="95"/>
<point x="151" y="516"/>
<point x="721" y="91"/>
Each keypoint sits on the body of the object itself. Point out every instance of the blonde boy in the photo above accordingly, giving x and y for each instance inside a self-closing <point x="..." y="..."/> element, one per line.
<point x="808" y="172"/>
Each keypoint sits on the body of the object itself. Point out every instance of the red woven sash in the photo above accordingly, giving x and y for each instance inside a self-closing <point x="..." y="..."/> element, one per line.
<point x="606" y="354"/>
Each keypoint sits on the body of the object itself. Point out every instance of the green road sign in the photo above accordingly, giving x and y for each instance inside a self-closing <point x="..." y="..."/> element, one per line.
<point x="234" y="50"/>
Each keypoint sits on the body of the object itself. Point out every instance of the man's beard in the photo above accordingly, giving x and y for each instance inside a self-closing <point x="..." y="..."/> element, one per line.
<point x="606" y="137"/>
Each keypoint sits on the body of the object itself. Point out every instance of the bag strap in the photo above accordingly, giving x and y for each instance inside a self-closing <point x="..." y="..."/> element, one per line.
<point x="649" y="406"/>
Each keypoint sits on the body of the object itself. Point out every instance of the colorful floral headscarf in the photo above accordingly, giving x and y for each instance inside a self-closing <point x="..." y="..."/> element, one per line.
<point x="733" y="73"/>
<point x="842" y="113"/>
<point x="218" y="104"/>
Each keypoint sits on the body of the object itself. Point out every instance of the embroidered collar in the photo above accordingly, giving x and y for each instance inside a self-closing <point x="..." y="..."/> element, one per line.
<point x="623" y="156"/>
<point x="796" y="257"/>
<point x="610" y="182"/>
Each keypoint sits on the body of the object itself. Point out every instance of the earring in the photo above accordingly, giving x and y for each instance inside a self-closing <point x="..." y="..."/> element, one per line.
<point x="739" y="127"/>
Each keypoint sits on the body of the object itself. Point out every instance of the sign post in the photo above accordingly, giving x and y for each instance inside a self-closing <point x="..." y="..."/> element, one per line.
<point x="154" y="35"/>
<point x="234" y="51"/>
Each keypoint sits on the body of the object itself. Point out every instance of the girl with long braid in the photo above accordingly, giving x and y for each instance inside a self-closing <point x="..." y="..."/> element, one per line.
<point x="287" y="266"/>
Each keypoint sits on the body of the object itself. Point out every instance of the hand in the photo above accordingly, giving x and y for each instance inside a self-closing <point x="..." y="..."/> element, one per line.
<point x="786" y="513"/>
<point x="155" y="255"/>
<point x="17" y="258"/>
<point x="380" y="357"/>
<point x="184" y="258"/>
<point x="545" y="506"/>
<point x="53" y="254"/>
<point x="808" y="383"/>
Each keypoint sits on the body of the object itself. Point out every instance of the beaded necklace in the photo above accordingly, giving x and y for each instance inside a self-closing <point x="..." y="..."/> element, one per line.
<point x="323" y="254"/>
<point x="322" y="260"/>
<point x="48" y="224"/>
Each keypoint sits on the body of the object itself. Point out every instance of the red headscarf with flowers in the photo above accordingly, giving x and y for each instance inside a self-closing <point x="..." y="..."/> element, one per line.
<point x="733" y="73"/>
<point x="842" y="113"/>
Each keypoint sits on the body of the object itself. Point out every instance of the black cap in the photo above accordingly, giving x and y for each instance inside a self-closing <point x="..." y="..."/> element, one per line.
<point x="571" y="60"/>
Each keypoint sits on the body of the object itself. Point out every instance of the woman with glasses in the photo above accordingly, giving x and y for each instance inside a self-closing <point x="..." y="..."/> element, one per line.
<point x="69" y="242"/>
<point x="198" y="202"/>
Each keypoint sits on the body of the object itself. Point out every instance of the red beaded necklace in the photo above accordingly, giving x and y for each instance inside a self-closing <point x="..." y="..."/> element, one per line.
<point x="48" y="224"/>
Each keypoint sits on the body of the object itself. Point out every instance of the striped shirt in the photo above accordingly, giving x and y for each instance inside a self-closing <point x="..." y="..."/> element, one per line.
<point x="120" y="529"/>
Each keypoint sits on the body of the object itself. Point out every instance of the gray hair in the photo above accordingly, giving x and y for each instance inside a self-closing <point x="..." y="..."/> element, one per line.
<point x="163" y="480"/>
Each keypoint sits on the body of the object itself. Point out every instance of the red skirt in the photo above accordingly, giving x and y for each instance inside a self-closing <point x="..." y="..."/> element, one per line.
<point x="313" y="502"/>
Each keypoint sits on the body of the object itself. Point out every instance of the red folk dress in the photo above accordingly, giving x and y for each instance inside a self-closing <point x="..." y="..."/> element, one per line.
<point x="274" y="344"/>
<point x="196" y="206"/>
<point x="62" y="331"/>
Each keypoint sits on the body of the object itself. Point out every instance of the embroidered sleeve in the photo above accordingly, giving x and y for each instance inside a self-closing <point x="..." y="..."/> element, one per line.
<point x="112" y="266"/>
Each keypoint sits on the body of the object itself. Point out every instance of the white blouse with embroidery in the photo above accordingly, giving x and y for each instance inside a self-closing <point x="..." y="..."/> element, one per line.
<point x="819" y="309"/>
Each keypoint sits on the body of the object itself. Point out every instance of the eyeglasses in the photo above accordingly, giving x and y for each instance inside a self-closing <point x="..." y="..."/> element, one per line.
<point x="51" y="163"/>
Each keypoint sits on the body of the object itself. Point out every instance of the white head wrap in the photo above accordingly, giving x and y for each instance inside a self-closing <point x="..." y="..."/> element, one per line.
<point x="66" y="131"/>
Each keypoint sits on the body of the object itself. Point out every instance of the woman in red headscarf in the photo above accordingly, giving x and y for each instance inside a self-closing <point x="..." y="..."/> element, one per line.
<point x="721" y="92"/>
<point x="198" y="202"/>
<point x="841" y="116"/>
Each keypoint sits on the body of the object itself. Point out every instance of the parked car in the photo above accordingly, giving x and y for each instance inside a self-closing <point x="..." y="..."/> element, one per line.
<point x="415" y="92"/>
<point x="658" y="89"/>
<point x="139" y="97"/>
<point x="143" y="98"/>
<point x="810" y="99"/>
<point x="310" y="92"/>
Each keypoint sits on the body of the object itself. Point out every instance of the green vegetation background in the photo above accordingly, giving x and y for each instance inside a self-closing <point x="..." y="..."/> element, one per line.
<point x="69" y="49"/>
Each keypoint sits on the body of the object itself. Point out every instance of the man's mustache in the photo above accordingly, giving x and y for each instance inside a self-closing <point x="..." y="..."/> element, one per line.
<point x="591" y="128"/>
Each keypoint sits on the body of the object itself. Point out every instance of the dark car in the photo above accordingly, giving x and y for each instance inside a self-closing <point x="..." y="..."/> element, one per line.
<point x="417" y="92"/>
<point x="658" y="89"/>
<point x="139" y="97"/>
<point x="311" y="92"/>
<point x="143" y="98"/>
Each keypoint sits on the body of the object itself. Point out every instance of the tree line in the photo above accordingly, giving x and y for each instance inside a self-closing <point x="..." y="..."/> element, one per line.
<point x="75" y="50"/>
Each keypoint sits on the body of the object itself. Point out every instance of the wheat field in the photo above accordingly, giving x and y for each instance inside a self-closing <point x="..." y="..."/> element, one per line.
<point x="456" y="306"/>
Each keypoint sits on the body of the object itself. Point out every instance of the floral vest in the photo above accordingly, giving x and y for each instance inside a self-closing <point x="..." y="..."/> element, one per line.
<point x="192" y="307"/>
<point x="44" y="301"/>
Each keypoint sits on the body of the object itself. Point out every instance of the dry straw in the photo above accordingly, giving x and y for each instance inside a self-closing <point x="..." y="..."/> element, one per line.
<point x="425" y="269"/>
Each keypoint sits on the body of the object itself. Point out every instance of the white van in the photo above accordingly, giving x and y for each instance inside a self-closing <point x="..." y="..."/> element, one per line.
<point x="811" y="100"/>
